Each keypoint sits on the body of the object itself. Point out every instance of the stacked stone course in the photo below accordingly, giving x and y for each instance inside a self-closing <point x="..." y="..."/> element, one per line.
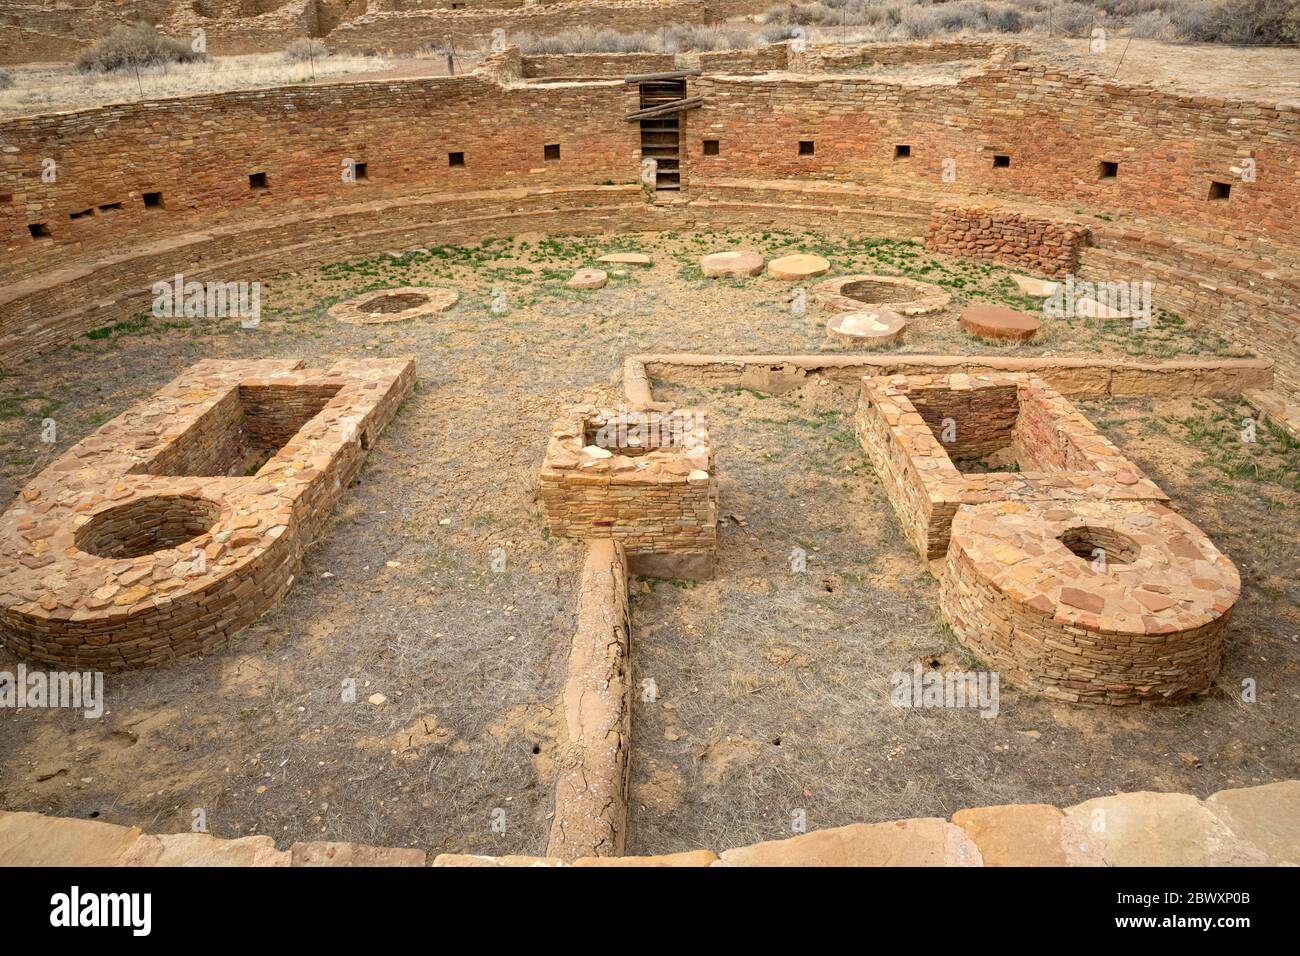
<point x="1048" y="246"/>
<point x="659" y="501"/>
<point x="148" y="541"/>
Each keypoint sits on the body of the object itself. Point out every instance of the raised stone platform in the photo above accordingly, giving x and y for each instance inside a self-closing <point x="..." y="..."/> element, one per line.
<point x="643" y="478"/>
<point x="1097" y="601"/>
<point x="183" y="519"/>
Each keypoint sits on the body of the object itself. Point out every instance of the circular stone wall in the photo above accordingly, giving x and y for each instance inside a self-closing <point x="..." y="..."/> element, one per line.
<point x="394" y="305"/>
<point x="1090" y="601"/>
<point x="904" y="296"/>
<point x="147" y="525"/>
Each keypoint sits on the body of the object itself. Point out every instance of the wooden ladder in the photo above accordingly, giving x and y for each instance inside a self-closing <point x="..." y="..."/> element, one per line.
<point x="661" y="135"/>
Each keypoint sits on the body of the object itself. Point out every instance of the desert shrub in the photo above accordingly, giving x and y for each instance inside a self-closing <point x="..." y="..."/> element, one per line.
<point x="1152" y="25"/>
<point x="300" y="51"/>
<point x="1072" y="19"/>
<point x="679" y="37"/>
<point x="1239" y="21"/>
<point x="134" y="46"/>
<point x="588" y="40"/>
<point x="6" y="79"/>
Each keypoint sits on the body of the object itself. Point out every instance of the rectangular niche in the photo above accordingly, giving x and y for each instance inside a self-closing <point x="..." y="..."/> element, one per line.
<point x="239" y="434"/>
<point x="1001" y="161"/>
<point x="902" y="151"/>
<point x="39" y="230"/>
<point x="710" y="147"/>
<point x="258" y="181"/>
<point x="807" y="147"/>
<point x="551" y="152"/>
<point x="1107" y="169"/>
<point x="1219" y="191"/>
<point x="153" y="200"/>
<point x="456" y="159"/>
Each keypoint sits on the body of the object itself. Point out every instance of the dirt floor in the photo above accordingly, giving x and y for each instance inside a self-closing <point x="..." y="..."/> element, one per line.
<point x="773" y="686"/>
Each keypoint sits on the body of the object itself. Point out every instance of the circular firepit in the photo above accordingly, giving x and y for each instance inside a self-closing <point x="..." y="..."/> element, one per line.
<point x="904" y="296"/>
<point x="394" y="305"/>
<point x="147" y="525"/>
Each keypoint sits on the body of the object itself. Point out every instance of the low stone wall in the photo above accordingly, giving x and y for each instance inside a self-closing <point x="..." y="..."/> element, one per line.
<point x="1251" y="826"/>
<point x="590" y="817"/>
<point x="1049" y="246"/>
<point x="902" y="425"/>
<point x="184" y="519"/>
<point x="1073" y="377"/>
<point x="596" y="64"/>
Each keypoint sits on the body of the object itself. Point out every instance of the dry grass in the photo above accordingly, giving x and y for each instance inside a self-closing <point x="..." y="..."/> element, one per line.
<point x="41" y="89"/>
<point x="472" y="661"/>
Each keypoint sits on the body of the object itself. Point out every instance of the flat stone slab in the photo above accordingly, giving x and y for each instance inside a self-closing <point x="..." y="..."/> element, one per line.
<point x="32" y="839"/>
<point x="735" y="262"/>
<point x="1160" y="829"/>
<point x="1092" y="309"/>
<point x="1035" y="288"/>
<point x="588" y="279"/>
<point x="1268" y="817"/>
<point x="394" y="305"/>
<point x="999" y="322"/>
<point x="204" y="849"/>
<point x="324" y="853"/>
<point x="800" y="266"/>
<point x="927" y="841"/>
<point x="1028" y="834"/>
<point x="626" y="259"/>
<point x="868" y="329"/>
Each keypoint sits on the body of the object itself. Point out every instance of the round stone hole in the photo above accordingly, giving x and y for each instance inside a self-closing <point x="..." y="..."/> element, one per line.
<point x="1090" y="543"/>
<point x="146" y="525"/>
<point x="397" y="302"/>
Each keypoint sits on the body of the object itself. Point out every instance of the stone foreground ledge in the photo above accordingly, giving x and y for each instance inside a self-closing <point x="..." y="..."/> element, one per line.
<point x="1251" y="826"/>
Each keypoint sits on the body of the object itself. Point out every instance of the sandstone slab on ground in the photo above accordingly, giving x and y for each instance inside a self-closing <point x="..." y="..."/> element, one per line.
<point x="999" y="322"/>
<point x="588" y="279"/>
<point x="33" y="839"/>
<point x="1016" y="835"/>
<point x="736" y="262"/>
<point x="354" y="854"/>
<point x="467" y="859"/>
<point x="1035" y="288"/>
<point x="690" y="858"/>
<point x="625" y="259"/>
<point x="1160" y="829"/>
<point x="869" y="329"/>
<point x="204" y="849"/>
<point x="927" y="841"/>
<point x="1267" y="817"/>
<point x="803" y="265"/>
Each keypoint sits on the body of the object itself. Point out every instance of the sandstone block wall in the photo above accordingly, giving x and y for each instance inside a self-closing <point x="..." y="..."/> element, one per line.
<point x="1046" y="246"/>
<point x="659" y="501"/>
<point x="143" y="544"/>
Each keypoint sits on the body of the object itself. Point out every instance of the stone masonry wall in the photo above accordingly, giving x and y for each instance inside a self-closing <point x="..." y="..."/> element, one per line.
<point x="1047" y="246"/>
